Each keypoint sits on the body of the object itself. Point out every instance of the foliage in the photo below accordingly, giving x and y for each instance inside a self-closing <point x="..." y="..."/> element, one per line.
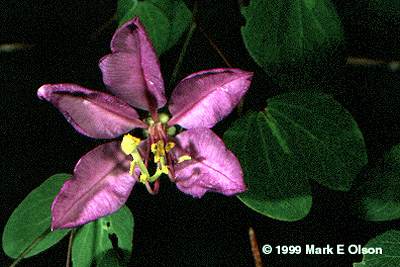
<point x="298" y="136"/>
<point x="289" y="147"/>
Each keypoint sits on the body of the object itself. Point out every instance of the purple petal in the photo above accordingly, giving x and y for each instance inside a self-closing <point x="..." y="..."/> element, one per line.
<point x="92" y="113"/>
<point x="205" y="98"/>
<point x="100" y="186"/>
<point x="132" y="71"/>
<point x="212" y="167"/>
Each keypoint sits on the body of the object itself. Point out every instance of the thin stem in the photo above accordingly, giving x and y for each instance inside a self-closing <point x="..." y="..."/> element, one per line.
<point x="156" y="187"/>
<point x="392" y="65"/>
<point x="103" y="27"/>
<point x="241" y="103"/>
<point x="216" y="48"/>
<point x="179" y="63"/>
<point x="185" y="44"/>
<point x="171" y="173"/>
<point x="34" y="243"/>
<point x="254" y="248"/>
<point x="71" y="237"/>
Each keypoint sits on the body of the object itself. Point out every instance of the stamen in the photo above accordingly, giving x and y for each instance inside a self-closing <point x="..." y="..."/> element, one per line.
<point x="154" y="149"/>
<point x="183" y="158"/>
<point x="129" y="144"/>
<point x="160" y="148"/>
<point x="132" y="168"/>
<point x="169" y="146"/>
<point x="164" y="168"/>
<point x="162" y="157"/>
<point x="143" y="178"/>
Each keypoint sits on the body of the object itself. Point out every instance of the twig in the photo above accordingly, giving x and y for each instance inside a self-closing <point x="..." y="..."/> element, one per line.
<point x="392" y="65"/>
<point x="254" y="248"/>
<point x="14" y="47"/>
<point x="185" y="44"/>
<point x="216" y="47"/>
<point x="71" y="237"/>
<point x="103" y="27"/>
<point x="34" y="243"/>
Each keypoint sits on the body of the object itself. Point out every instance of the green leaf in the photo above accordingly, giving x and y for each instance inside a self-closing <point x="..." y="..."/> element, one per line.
<point x="389" y="242"/>
<point x="290" y="39"/>
<point x="165" y="21"/>
<point x="32" y="218"/>
<point x="106" y="241"/>
<point x="274" y="188"/>
<point x="298" y="136"/>
<point x="381" y="190"/>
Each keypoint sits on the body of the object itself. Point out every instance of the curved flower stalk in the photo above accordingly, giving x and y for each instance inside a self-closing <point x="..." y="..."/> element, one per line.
<point x="196" y="159"/>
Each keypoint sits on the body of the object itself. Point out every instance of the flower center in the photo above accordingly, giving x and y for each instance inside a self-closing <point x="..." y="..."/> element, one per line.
<point x="159" y="143"/>
<point x="160" y="153"/>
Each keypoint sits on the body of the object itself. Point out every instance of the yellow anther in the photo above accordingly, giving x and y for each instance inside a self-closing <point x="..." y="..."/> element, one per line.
<point x="160" y="148"/>
<point x="169" y="146"/>
<point x="164" y="169"/>
<point x="129" y="144"/>
<point x="154" y="148"/>
<point x="183" y="158"/>
<point x="143" y="178"/>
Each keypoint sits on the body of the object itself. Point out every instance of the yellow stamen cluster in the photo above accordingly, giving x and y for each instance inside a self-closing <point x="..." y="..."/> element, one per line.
<point x="158" y="150"/>
<point x="159" y="153"/>
<point x="129" y="147"/>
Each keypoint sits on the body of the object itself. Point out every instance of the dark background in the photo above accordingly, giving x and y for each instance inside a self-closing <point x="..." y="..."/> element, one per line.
<point x="171" y="228"/>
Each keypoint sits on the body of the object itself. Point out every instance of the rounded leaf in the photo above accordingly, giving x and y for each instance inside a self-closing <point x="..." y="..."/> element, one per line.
<point x="389" y="242"/>
<point x="298" y="136"/>
<point x="106" y="240"/>
<point x="292" y="39"/>
<point x="165" y="21"/>
<point x="381" y="189"/>
<point x="276" y="187"/>
<point x="32" y="218"/>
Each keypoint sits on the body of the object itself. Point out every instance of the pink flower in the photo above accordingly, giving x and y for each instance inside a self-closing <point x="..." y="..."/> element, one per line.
<point x="196" y="159"/>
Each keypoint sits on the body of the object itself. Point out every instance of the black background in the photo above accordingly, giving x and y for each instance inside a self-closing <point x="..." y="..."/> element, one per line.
<point x="171" y="228"/>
